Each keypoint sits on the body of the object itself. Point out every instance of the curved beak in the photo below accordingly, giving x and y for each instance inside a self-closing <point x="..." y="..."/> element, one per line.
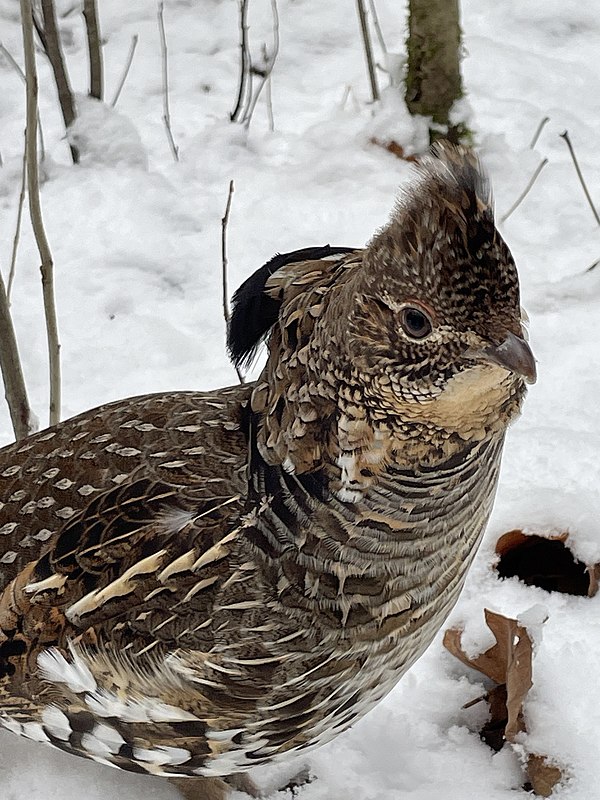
<point x="514" y="355"/>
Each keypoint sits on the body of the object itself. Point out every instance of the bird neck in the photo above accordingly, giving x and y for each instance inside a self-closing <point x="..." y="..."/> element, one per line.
<point x="374" y="568"/>
<point x="354" y="439"/>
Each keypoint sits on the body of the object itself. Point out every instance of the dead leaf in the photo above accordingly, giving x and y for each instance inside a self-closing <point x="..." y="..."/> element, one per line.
<point x="547" y="562"/>
<point x="395" y="149"/>
<point x="508" y="661"/>
<point x="543" y="776"/>
<point x="493" y="732"/>
<point x="509" y="664"/>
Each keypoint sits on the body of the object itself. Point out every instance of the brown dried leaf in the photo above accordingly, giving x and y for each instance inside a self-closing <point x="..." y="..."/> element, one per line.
<point x="515" y="538"/>
<point x="508" y="662"/>
<point x="493" y="731"/>
<point x="546" y="561"/>
<point x="395" y="149"/>
<point x="543" y="776"/>
<point x="594" y="574"/>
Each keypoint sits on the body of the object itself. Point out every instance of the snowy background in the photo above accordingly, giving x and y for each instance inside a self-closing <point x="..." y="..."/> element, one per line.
<point x="136" y="242"/>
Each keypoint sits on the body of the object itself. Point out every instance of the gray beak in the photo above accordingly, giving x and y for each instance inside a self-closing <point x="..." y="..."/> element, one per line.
<point x="514" y="355"/>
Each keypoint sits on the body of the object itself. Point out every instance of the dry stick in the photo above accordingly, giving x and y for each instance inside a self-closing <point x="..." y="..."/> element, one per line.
<point x="249" y="90"/>
<point x="224" y="223"/>
<point x="165" y="81"/>
<point x="15" y="247"/>
<point x="565" y="135"/>
<point x="525" y="191"/>
<point x="377" y="27"/>
<point x="23" y="421"/>
<point x="21" y="74"/>
<point x="134" y="41"/>
<point x="92" y="27"/>
<point x="269" y="98"/>
<point x="543" y="122"/>
<point x="269" y="64"/>
<point x="33" y="188"/>
<point x="362" y="15"/>
<point x="593" y="266"/>
<point x="51" y="43"/>
<point x="244" y="62"/>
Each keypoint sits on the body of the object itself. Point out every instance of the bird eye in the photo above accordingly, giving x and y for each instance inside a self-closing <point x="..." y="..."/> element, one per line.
<point x="415" y="323"/>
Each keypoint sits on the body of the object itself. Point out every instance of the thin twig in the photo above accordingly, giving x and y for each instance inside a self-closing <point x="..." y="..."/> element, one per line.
<point x="269" y="99"/>
<point x="268" y="68"/>
<point x="15" y="391"/>
<point x="244" y="62"/>
<point x="348" y="94"/>
<point x="565" y="135"/>
<point x="377" y="27"/>
<point x="364" y="27"/>
<point x="249" y="90"/>
<point x="543" y="122"/>
<point x="33" y="190"/>
<point x="165" y="81"/>
<point x="14" y="64"/>
<point x="92" y="27"/>
<point x="11" y="60"/>
<point x="224" y="223"/>
<point x="134" y="42"/>
<point x="15" y="247"/>
<point x="525" y="191"/>
<point x="50" y="40"/>
<point x="593" y="266"/>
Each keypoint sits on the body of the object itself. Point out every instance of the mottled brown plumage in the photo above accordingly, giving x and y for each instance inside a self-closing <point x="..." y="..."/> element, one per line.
<point x="195" y="583"/>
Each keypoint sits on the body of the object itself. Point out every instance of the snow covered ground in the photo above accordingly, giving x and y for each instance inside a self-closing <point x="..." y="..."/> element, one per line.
<point x="136" y="242"/>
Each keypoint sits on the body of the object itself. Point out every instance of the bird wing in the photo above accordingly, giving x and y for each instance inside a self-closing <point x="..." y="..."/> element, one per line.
<point x="127" y="451"/>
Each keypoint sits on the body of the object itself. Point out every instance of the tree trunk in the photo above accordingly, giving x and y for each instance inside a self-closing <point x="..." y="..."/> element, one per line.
<point x="433" y="81"/>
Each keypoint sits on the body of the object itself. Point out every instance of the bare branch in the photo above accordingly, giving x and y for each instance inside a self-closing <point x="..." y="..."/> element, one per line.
<point x="525" y="191"/>
<point x="364" y="27"/>
<point x="224" y="223"/>
<point x="33" y="189"/>
<point x="377" y="27"/>
<point x="50" y="40"/>
<point x="165" y="81"/>
<point x="538" y="131"/>
<point x="266" y="72"/>
<point x="565" y="135"/>
<point x="269" y="97"/>
<point x="593" y="266"/>
<point x="349" y="94"/>
<point x="23" y="421"/>
<point x="21" y="74"/>
<point x="12" y="61"/>
<point x="15" y="247"/>
<point x="134" y="42"/>
<point x="244" y="62"/>
<point x="92" y="27"/>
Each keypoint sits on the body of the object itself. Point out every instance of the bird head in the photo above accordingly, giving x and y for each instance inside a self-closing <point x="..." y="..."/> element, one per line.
<point x="420" y="334"/>
<point x="435" y="309"/>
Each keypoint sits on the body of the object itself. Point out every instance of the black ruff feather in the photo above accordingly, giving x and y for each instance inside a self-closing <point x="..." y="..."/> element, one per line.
<point x="254" y="312"/>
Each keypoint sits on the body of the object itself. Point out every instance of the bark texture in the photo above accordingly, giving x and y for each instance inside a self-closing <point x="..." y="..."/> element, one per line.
<point x="433" y="81"/>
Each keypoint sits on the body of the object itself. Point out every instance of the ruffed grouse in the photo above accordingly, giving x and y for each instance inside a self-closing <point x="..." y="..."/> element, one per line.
<point x="196" y="583"/>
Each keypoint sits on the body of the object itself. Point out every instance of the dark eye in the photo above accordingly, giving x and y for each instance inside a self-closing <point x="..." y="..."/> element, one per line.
<point x="415" y="323"/>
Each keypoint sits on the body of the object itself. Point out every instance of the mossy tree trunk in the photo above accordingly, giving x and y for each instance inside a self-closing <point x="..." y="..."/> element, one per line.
<point x="433" y="81"/>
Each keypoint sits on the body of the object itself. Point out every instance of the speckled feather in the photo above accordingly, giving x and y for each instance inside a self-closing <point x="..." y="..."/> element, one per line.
<point x="194" y="583"/>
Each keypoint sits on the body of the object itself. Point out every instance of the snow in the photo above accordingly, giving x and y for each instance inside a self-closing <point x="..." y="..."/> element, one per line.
<point x="136" y="241"/>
